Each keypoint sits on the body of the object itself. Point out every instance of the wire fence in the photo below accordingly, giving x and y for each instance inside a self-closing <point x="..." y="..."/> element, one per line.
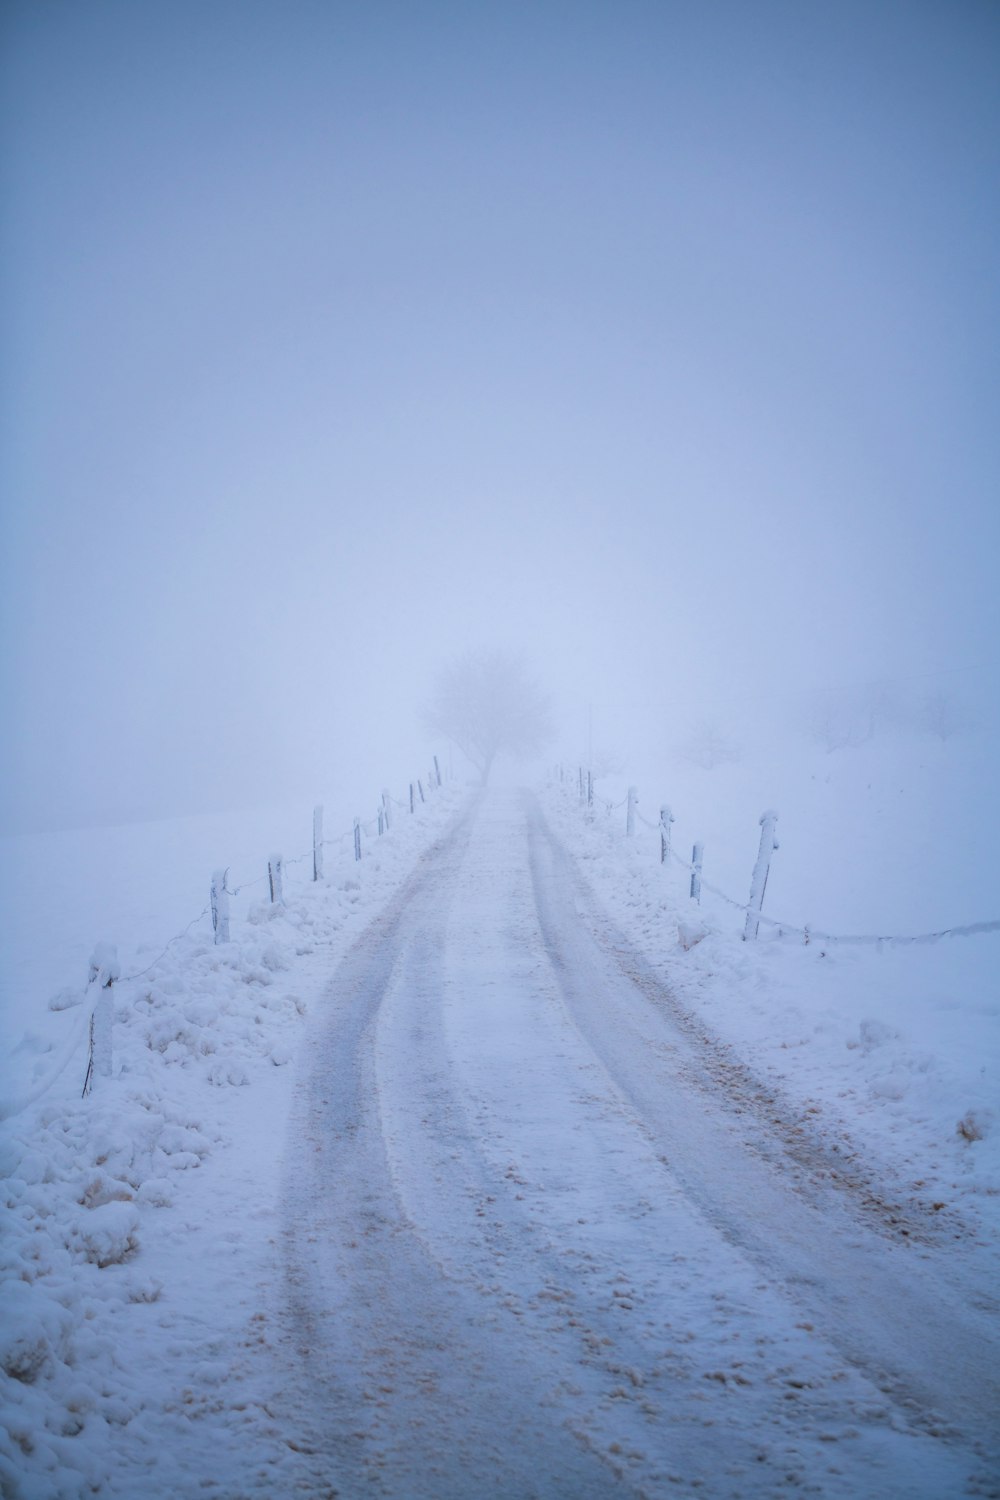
<point x="100" y="985"/>
<point x="751" y="909"/>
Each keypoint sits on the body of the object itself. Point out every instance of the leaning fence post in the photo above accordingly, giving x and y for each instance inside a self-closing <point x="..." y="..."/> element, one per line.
<point x="697" y="855"/>
<point x="633" y="798"/>
<point x="385" y="810"/>
<point x="758" y="881"/>
<point x="220" y="907"/>
<point x="104" y="970"/>
<point x="318" y="843"/>
<point x="357" y="838"/>
<point x="437" y="770"/>
<point x="420" y="789"/>
<point x="666" y="818"/>
<point x="381" y="820"/>
<point x="275" y="867"/>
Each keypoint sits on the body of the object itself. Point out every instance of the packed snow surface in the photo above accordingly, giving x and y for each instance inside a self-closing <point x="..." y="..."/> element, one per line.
<point x="569" y="1193"/>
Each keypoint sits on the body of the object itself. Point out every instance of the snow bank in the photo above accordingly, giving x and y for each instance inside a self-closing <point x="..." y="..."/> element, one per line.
<point x="86" y="1180"/>
<point x="892" y="1051"/>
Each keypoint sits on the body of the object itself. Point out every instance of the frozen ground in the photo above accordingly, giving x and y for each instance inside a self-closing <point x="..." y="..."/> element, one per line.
<point x="549" y="1205"/>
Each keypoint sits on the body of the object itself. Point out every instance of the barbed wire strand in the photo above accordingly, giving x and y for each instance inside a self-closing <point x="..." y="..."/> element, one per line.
<point x="128" y="978"/>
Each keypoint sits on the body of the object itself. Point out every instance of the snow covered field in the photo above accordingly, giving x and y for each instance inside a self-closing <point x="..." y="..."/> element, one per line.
<point x="460" y="1173"/>
<point x="134" y="885"/>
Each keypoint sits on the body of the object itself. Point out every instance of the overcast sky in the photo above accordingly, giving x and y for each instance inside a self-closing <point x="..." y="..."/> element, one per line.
<point x="658" y="339"/>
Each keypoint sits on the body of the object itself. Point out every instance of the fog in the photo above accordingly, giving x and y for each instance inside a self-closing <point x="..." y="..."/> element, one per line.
<point x="658" y="341"/>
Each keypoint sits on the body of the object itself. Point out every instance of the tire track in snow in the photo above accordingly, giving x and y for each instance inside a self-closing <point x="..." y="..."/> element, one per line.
<point x="404" y="1389"/>
<point x="458" y="1169"/>
<point x="890" y="1305"/>
<point x="598" y="1224"/>
<point x="498" y="1284"/>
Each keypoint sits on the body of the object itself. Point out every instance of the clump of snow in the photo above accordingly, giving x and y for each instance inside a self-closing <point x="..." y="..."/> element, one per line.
<point x="34" y="1331"/>
<point x="66" y="999"/>
<point x="872" y="1034"/>
<point x="689" y="934"/>
<point x="108" y="1233"/>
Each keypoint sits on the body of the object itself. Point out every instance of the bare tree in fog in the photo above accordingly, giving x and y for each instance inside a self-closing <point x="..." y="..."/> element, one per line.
<point x="488" y="704"/>
<point x="708" y="744"/>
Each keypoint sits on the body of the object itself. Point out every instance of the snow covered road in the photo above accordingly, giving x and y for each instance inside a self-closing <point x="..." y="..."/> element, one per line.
<point x="544" y="1241"/>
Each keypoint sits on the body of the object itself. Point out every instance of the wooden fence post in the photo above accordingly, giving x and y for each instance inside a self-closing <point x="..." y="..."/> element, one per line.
<point x="385" y="810"/>
<point x="411" y="797"/>
<point x="318" y="843"/>
<point x="697" y="855"/>
<point x="275" y="869"/>
<point x="583" y="795"/>
<point x="666" y="818"/>
<point x="357" y="839"/>
<point x="104" y="970"/>
<point x="758" y="881"/>
<point x="220" y="907"/>
<point x="381" y="820"/>
<point x="633" y="798"/>
<point x="437" y="770"/>
<point x="420" y="789"/>
<point x="590" y="789"/>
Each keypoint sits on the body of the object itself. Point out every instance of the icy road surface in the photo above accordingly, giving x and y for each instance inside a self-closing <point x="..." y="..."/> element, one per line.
<point x="542" y="1243"/>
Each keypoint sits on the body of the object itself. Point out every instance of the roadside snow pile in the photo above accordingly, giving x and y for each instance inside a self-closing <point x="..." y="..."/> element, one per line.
<point x="90" y="1183"/>
<point x="893" y="1052"/>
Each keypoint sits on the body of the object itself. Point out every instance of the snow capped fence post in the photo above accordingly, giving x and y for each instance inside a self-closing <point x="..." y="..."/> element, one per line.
<point x="666" y="818"/>
<point x="104" y="970"/>
<point x="633" y="798"/>
<point x="275" y="867"/>
<point x="697" y="855"/>
<point x="357" y="838"/>
<point x="758" y="881"/>
<point x="220" y="907"/>
<point x="318" y="843"/>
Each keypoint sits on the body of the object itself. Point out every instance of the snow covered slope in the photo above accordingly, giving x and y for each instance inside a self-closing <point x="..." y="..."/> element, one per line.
<point x="132" y="1218"/>
<point x="493" y="1163"/>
